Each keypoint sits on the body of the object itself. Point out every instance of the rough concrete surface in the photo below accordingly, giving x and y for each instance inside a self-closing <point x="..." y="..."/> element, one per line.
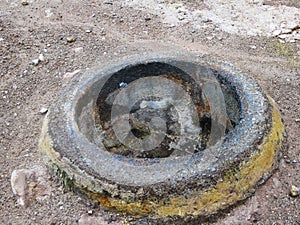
<point x="44" y="43"/>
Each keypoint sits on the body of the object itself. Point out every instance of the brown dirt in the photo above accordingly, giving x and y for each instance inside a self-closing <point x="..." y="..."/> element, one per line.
<point x="26" y="31"/>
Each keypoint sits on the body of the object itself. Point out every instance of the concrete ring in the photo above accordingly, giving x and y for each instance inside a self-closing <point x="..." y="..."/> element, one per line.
<point x="196" y="185"/>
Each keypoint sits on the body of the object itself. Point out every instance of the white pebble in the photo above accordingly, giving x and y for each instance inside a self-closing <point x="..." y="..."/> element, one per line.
<point x="35" y="62"/>
<point x="43" y="110"/>
<point x="276" y="32"/>
<point x="283" y="36"/>
<point x="41" y="57"/>
<point x="286" y="31"/>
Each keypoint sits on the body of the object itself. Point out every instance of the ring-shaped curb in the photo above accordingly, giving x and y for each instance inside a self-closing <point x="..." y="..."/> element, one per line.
<point x="183" y="187"/>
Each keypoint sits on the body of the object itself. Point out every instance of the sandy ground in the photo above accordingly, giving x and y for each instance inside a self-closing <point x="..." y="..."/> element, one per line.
<point x="43" y="27"/>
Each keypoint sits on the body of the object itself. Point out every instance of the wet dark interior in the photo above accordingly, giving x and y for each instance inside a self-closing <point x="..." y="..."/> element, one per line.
<point x="126" y="76"/>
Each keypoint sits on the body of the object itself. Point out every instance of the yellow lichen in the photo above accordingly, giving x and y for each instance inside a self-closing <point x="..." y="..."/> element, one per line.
<point x="286" y="50"/>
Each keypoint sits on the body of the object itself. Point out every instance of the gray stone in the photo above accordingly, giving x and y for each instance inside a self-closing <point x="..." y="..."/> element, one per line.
<point x="276" y="32"/>
<point x="30" y="185"/>
<point x="69" y="75"/>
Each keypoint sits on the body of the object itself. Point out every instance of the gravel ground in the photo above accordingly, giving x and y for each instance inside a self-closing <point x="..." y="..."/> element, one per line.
<point x="42" y="41"/>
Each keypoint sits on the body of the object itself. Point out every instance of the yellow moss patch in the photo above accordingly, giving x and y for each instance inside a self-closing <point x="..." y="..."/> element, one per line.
<point x="282" y="49"/>
<point x="287" y="50"/>
<point x="134" y="208"/>
<point x="45" y="143"/>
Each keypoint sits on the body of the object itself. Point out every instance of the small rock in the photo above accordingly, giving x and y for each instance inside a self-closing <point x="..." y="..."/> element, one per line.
<point x="294" y="191"/>
<point x="103" y="32"/>
<point x="88" y="31"/>
<point x="283" y="36"/>
<point x="24" y="3"/>
<point x="71" y="39"/>
<point x="286" y="31"/>
<point x="48" y="12"/>
<point x="35" y="62"/>
<point x="276" y="182"/>
<point x="92" y="220"/>
<point x="41" y="57"/>
<point x="254" y="1"/>
<point x="30" y="185"/>
<point x="276" y="33"/>
<point x="79" y="49"/>
<point x="68" y="76"/>
<point x="176" y="5"/>
<point x="297" y="37"/>
<point x="123" y="85"/>
<point x="292" y="25"/>
<point x="90" y="212"/>
<point x="43" y="110"/>
<point x="180" y="17"/>
<point x="111" y="219"/>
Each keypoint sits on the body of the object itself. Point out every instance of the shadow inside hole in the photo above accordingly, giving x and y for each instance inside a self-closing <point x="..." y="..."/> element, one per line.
<point x="139" y="128"/>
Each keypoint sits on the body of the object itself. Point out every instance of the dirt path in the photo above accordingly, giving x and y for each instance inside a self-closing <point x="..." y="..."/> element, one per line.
<point x="39" y="31"/>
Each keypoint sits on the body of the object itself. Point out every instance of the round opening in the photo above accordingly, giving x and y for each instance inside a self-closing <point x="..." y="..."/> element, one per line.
<point x="159" y="110"/>
<point x="163" y="135"/>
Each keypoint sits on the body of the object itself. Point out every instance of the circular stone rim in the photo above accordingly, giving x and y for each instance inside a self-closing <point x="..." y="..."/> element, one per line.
<point x="55" y="140"/>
